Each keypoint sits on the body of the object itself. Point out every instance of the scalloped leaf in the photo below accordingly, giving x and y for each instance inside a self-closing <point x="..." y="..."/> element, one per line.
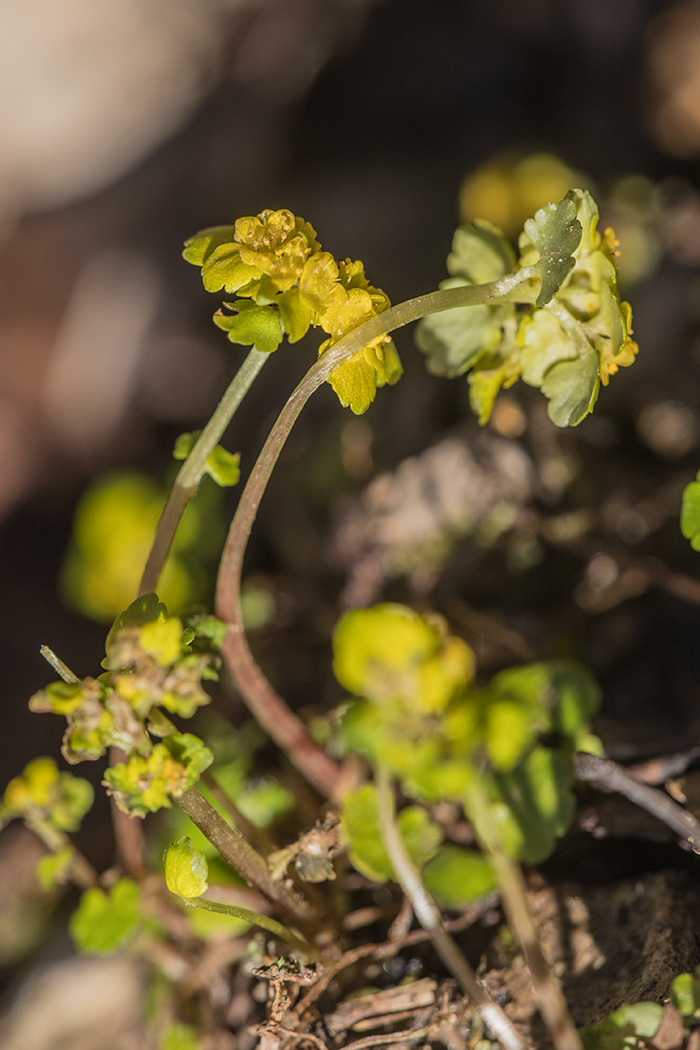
<point x="556" y="233"/>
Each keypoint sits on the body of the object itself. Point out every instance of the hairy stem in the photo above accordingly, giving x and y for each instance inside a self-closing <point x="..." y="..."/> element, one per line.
<point x="191" y="472"/>
<point x="256" y="919"/>
<point x="267" y="706"/>
<point x="246" y="861"/>
<point x="428" y="914"/>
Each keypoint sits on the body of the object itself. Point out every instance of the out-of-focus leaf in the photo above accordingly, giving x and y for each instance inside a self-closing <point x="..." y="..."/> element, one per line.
<point x="690" y="513"/>
<point x="147" y="608"/>
<point x="54" y="869"/>
<point x="539" y="799"/>
<point x="222" y="466"/>
<point x="457" y="877"/>
<point x="103" y="922"/>
<point x="685" y="995"/>
<point x="480" y="253"/>
<point x="360" y="816"/>
<point x="624" y="1028"/>
<point x="179" y="1037"/>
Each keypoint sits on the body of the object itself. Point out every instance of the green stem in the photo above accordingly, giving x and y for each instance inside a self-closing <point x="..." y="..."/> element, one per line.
<point x="246" y="860"/>
<point x="256" y="919"/>
<point x="267" y="706"/>
<point x="428" y="914"/>
<point x="191" y="472"/>
<point x="552" y="1004"/>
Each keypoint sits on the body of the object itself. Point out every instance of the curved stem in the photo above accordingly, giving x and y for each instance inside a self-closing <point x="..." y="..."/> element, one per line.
<point x="428" y="914"/>
<point x="267" y="706"/>
<point x="192" y="470"/>
<point x="256" y="919"/>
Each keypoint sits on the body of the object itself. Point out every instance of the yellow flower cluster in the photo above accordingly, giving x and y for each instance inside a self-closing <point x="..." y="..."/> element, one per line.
<point x="275" y="260"/>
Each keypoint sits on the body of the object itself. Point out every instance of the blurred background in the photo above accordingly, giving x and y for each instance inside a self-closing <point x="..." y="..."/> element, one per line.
<point x="127" y="125"/>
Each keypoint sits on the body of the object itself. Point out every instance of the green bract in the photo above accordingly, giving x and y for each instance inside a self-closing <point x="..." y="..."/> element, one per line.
<point x="186" y="869"/>
<point x="570" y="333"/>
<point x="146" y="784"/>
<point x="287" y="284"/>
<point x="104" y="921"/>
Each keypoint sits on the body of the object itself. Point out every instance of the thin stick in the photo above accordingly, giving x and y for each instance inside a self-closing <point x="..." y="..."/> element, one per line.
<point x="428" y="914"/>
<point x="605" y="773"/>
<point x="191" y="472"/>
<point x="270" y="710"/>
<point x="61" y="669"/>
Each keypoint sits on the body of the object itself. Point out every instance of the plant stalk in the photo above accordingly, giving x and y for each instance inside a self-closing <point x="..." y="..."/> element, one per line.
<point x="247" y="861"/>
<point x="428" y="914"/>
<point x="253" y="917"/>
<point x="553" y="1006"/>
<point x="191" y="472"/>
<point x="270" y="710"/>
